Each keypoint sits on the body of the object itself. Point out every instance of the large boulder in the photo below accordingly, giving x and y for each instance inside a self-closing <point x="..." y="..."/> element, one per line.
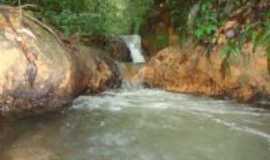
<point x="38" y="73"/>
<point x="116" y="48"/>
<point x="189" y="70"/>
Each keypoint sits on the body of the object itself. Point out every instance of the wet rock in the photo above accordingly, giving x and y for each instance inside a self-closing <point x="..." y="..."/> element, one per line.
<point x="129" y="72"/>
<point x="244" y="77"/>
<point x="39" y="74"/>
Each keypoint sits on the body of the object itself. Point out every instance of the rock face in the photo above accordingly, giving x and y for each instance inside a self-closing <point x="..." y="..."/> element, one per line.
<point x="116" y="47"/>
<point x="38" y="73"/>
<point x="244" y="77"/>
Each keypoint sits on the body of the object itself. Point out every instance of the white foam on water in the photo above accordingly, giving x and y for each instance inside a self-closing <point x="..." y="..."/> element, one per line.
<point x="140" y="97"/>
<point x="219" y="111"/>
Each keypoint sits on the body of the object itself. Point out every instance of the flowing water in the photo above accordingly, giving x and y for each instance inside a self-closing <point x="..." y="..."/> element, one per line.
<point x="142" y="124"/>
<point x="134" y="43"/>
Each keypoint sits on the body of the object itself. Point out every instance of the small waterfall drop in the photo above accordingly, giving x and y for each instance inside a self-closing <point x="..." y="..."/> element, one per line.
<point x="131" y="75"/>
<point x="134" y="44"/>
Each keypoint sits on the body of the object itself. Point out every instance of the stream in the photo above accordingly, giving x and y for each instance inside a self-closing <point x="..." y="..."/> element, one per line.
<point x="135" y="123"/>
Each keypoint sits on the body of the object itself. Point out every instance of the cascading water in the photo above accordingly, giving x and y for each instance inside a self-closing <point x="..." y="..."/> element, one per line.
<point x="134" y="44"/>
<point x="131" y="75"/>
<point x="131" y="70"/>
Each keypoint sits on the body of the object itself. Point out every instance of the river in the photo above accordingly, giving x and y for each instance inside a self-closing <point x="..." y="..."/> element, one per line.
<point x="142" y="124"/>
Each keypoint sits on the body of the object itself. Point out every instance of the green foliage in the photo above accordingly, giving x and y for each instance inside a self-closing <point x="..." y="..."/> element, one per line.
<point x="88" y="17"/>
<point x="105" y="17"/>
<point x="206" y="22"/>
<point x="262" y="37"/>
<point x="212" y="14"/>
<point x="231" y="48"/>
<point x="162" y="41"/>
<point x="201" y="18"/>
<point x="179" y="10"/>
<point x="136" y="13"/>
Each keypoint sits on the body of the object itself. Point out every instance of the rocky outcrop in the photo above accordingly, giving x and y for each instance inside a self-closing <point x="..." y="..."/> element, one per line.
<point x="243" y="77"/>
<point x="38" y="73"/>
<point x="114" y="46"/>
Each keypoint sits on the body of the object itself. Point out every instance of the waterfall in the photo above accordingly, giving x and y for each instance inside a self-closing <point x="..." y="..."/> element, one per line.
<point x="134" y="44"/>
